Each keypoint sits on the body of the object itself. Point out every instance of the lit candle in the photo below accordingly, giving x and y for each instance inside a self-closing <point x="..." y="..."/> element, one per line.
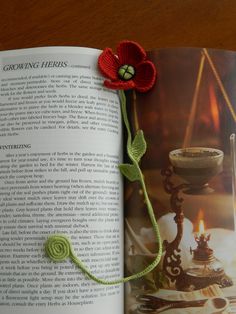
<point x="201" y="228"/>
<point x="202" y="237"/>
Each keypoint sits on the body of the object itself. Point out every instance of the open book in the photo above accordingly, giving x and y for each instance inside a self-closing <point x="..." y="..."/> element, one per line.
<point x="61" y="141"/>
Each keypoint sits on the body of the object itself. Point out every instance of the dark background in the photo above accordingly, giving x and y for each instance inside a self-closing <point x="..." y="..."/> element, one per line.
<point x="153" y="23"/>
<point x="163" y="114"/>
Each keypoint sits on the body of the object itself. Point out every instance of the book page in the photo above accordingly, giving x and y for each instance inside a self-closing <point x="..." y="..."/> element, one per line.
<point x="60" y="144"/>
<point x="188" y="119"/>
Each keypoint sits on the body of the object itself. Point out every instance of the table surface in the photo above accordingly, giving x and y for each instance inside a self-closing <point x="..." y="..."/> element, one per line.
<point x="102" y="23"/>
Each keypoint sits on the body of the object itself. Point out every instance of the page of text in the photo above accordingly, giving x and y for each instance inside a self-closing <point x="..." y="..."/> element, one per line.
<point x="60" y="145"/>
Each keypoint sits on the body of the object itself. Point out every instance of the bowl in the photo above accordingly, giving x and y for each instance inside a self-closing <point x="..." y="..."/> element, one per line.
<point x="197" y="166"/>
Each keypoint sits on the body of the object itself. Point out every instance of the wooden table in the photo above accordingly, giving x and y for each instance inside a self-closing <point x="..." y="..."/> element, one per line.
<point x="153" y="23"/>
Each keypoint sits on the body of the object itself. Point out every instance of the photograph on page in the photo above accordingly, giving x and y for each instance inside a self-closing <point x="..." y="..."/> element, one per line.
<point x="189" y="121"/>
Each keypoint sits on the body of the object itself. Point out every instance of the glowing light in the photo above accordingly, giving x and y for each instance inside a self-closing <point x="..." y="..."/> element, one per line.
<point x="201" y="227"/>
<point x="214" y="109"/>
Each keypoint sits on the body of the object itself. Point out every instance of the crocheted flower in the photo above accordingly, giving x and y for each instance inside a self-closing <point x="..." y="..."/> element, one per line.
<point x="129" y="69"/>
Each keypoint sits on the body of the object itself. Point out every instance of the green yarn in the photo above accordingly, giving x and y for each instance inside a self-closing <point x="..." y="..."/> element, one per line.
<point x="126" y="72"/>
<point x="58" y="247"/>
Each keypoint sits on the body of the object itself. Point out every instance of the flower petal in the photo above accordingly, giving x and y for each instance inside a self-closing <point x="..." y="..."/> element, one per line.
<point x="145" y="76"/>
<point x="119" y="84"/>
<point x="108" y="64"/>
<point x="131" y="53"/>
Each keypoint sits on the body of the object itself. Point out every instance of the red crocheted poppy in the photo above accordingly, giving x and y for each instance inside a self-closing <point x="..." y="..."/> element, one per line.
<point x="129" y="69"/>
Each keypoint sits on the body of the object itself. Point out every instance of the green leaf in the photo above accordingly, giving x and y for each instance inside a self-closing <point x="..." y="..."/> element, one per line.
<point x="130" y="172"/>
<point x="139" y="146"/>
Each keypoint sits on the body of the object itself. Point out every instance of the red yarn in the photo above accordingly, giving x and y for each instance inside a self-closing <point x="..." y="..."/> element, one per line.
<point x="128" y="53"/>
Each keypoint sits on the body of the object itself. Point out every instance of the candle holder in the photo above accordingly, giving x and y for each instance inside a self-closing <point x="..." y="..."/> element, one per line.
<point x="197" y="166"/>
<point x="205" y="269"/>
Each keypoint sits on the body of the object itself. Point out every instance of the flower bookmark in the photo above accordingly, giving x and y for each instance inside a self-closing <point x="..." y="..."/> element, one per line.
<point x="129" y="69"/>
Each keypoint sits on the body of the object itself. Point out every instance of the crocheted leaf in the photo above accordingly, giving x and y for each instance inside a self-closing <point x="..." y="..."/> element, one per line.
<point x="129" y="171"/>
<point x="139" y="146"/>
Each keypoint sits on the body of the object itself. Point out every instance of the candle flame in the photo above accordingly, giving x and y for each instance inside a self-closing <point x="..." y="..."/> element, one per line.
<point x="201" y="227"/>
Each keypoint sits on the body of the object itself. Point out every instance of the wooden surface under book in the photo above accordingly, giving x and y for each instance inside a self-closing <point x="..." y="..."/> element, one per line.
<point x="101" y="23"/>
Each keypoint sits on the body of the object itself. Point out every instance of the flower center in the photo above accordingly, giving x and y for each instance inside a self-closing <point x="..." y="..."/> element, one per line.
<point x="126" y="72"/>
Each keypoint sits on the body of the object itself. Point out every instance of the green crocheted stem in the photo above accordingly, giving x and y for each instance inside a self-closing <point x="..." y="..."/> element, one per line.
<point x="58" y="247"/>
<point x="143" y="185"/>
